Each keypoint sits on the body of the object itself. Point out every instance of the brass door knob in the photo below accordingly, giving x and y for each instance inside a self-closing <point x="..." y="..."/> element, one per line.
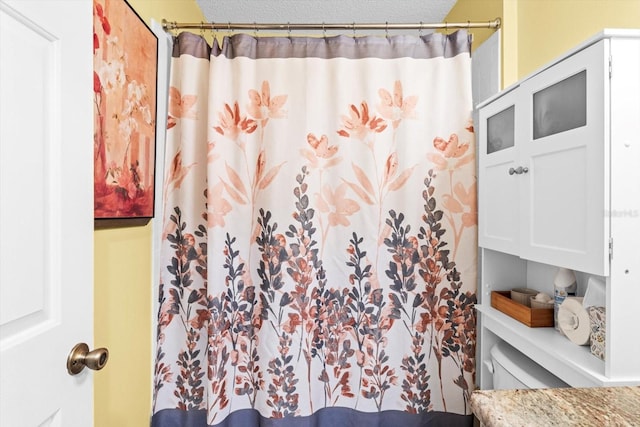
<point x="80" y="357"/>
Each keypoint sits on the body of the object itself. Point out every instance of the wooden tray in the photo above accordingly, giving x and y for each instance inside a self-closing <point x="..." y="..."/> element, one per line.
<point x="532" y="317"/>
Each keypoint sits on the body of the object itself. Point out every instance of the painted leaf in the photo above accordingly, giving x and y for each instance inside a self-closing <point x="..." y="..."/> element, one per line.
<point x="321" y="203"/>
<point x="212" y="156"/>
<point x="468" y="197"/>
<point x="218" y="206"/>
<point x="385" y="96"/>
<point x="469" y="219"/>
<point x="266" y="91"/>
<point x="262" y="160"/>
<point x="362" y="178"/>
<point x="332" y="162"/>
<point x="452" y="204"/>
<point x="397" y="93"/>
<point x="310" y="156"/>
<point x="235" y="180"/>
<point x="360" y="192"/>
<point x="327" y="193"/>
<point x="391" y="166"/>
<point x="439" y="162"/>
<point x="178" y="172"/>
<point x="384" y="234"/>
<point x="188" y="103"/>
<point x="181" y="106"/>
<point x="234" y="194"/>
<point x="347" y="207"/>
<point x="256" y="233"/>
<point x="270" y="176"/>
<point x="254" y="97"/>
<point x="340" y="192"/>
<point x="276" y="104"/>
<point x="409" y="104"/>
<point x="401" y="180"/>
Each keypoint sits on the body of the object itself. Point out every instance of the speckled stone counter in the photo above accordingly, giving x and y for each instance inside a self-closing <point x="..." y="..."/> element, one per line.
<point x="598" y="407"/>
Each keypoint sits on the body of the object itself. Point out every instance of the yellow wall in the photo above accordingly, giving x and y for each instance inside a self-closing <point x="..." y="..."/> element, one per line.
<point x="535" y="32"/>
<point x="123" y="325"/>
<point x="122" y="294"/>
<point x="548" y="28"/>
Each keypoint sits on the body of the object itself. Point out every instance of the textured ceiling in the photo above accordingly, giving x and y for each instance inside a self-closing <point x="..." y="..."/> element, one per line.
<point x="328" y="11"/>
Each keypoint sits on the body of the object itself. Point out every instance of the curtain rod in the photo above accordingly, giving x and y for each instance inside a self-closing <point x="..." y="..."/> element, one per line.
<point x="167" y="25"/>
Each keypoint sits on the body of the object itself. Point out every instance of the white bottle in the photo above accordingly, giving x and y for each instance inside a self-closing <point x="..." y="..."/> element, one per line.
<point x="564" y="285"/>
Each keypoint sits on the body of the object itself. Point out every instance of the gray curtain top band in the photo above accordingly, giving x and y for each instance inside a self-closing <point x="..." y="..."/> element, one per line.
<point x="399" y="46"/>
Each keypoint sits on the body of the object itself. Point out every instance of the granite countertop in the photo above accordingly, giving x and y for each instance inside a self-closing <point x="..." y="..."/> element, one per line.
<point x="598" y="406"/>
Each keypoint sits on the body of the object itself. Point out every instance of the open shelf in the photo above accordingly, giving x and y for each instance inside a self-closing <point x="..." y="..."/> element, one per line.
<point x="572" y="363"/>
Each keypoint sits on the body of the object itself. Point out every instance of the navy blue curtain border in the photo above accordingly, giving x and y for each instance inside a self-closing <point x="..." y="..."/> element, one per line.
<point x="333" y="417"/>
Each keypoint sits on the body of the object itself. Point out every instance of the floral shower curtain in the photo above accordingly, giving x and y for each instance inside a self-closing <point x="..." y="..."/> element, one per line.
<point x="319" y="245"/>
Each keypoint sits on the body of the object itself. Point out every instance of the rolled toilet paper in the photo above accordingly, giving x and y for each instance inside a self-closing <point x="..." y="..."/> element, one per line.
<point x="574" y="321"/>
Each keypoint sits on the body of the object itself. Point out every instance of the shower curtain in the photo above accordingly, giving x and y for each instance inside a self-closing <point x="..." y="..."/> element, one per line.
<point x="319" y="245"/>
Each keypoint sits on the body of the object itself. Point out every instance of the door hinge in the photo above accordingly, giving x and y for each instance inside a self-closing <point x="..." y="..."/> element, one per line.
<point x="610" y="67"/>
<point x="610" y="249"/>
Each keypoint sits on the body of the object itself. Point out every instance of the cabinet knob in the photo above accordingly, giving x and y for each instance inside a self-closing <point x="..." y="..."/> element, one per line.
<point x="518" y="171"/>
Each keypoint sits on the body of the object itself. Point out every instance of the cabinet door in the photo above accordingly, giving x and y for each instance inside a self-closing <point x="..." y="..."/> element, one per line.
<point x="498" y="190"/>
<point x="565" y="150"/>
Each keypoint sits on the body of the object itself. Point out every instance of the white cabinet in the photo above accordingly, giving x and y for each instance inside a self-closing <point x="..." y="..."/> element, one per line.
<point x="559" y="186"/>
<point x="544" y="162"/>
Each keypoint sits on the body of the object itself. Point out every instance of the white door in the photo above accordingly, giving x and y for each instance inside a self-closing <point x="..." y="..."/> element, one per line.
<point x="498" y="195"/>
<point x="46" y="210"/>
<point x="565" y="146"/>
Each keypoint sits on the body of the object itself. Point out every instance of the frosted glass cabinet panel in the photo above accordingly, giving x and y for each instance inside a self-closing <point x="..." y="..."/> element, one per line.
<point x="501" y="130"/>
<point x="560" y="107"/>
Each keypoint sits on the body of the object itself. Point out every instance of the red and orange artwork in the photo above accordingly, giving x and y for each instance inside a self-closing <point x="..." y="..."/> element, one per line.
<point x="124" y="89"/>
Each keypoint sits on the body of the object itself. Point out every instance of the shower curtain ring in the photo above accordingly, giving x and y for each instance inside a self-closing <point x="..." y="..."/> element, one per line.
<point x="289" y="29"/>
<point x="324" y="31"/>
<point x="386" y="29"/>
<point x="173" y="27"/>
<point x="354" y="29"/>
<point x="255" y="29"/>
